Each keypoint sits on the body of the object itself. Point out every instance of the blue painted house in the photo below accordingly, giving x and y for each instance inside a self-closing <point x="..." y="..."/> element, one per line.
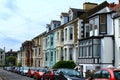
<point x="50" y="54"/>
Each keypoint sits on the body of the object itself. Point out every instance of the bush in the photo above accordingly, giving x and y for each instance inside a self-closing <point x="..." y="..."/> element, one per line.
<point x="64" y="64"/>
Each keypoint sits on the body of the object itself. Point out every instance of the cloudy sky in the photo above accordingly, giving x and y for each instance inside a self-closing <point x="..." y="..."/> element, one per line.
<point x="22" y="20"/>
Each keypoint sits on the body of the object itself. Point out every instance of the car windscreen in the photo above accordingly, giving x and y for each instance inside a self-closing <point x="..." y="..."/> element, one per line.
<point x="26" y="68"/>
<point x="117" y="75"/>
<point x="72" y="73"/>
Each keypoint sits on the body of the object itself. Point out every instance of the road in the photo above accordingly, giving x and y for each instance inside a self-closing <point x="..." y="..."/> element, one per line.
<point x="12" y="76"/>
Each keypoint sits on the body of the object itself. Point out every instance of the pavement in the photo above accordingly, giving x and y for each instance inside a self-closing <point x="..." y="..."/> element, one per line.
<point x="1" y="78"/>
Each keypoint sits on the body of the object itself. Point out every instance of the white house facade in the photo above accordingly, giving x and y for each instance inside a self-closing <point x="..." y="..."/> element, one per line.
<point x="96" y="50"/>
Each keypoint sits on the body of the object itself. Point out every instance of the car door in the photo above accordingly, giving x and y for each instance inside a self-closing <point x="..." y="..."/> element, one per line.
<point x="47" y="74"/>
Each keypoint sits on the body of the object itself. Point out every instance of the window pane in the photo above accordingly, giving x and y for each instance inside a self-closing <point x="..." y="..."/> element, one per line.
<point x="81" y="52"/>
<point x="96" y="49"/>
<point x="105" y="74"/>
<point x="66" y="34"/>
<point x="103" y="27"/>
<point x="117" y="75"/>
<point x="96" y="41"/>
<point x="71" y="33"/>
<point x="103" y="18"/>
<point x="103" y="22"/>
<point x="90" y="51"/>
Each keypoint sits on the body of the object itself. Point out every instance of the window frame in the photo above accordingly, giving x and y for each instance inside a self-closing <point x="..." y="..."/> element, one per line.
<point x="101" y="23"/>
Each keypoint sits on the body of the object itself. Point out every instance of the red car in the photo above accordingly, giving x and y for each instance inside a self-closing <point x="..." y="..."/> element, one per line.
<point x="39" y="73"/>
<point x="106" y="74"/>
<point x="49" y="74"/>
<point x="31" y="72"/>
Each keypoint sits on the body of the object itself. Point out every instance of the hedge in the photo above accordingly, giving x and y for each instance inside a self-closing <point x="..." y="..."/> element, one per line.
<point x="64" y="64"/>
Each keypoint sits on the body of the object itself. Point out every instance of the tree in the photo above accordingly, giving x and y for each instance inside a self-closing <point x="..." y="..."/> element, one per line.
<point x="11" y="60"/>
<point x="19" y="64"/>
<point x="64" y="64"/>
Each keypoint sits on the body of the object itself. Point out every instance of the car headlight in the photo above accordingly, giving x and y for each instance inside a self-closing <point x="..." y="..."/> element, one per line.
<point x="69" y="79"/>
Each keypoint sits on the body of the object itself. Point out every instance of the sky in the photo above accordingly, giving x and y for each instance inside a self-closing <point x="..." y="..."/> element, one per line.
<point x="22" y="20"/>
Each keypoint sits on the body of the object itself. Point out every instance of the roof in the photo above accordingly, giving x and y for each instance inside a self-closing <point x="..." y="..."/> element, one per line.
<point x="116" y="7"/>
<point x="40" y="35"/>
<point x="1" y="49"/>
<point x="90" y="3"/>
<point x="55" y="21"/>
<point x="65" y="14"/>
<point x="75" y="9"/>
<point x="98" y="8"/>
<point x="116" y="16"/>
<point x="94" y="10"/>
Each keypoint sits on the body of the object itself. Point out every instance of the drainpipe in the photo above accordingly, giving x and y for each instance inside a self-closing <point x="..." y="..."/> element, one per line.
<point x="113" y="61"/>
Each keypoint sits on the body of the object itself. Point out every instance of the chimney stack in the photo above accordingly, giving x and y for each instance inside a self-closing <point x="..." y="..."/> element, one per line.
<point x="89" y="5"/>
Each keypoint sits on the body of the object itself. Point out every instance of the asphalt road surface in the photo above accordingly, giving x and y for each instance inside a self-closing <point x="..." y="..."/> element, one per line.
<point x="7" y="75"/>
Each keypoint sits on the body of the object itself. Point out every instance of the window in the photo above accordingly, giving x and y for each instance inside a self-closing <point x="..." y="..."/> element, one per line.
<point x="65" y="53"/>
<point x="97" y="74"/>
<point x="103" y="25"/>
<point x="71" y="33"/>
<point x="119" y="28"/>
<point x="87" y="31"/>
<point x="46" y="57"/>
<point x="49" y="28"/>
<point x="51" y="59"/>
<point x="90" y="51"/>
<point x="54" y="25"/>
<point x="117" y="75"/>
<point x="96" y="47"/>
<point x="66" y="34"/>
<point x="51" y="41"/>
<point x="35" y="51"/>
<point x="62" y="37"/>
<point x="45" y="42"/>
<point x="1" y="57"/>
<point x="71" y="51"/>
<point x="62" y="56"/>
<point x="39" y="63"/>
<point x="90" y="27"/>
<point x="81" y="52"/>
<point x="48" y="41"/>
<point x="57" y="36"/>
<point x="105" y="74"/>
<point x="39" y="51"/>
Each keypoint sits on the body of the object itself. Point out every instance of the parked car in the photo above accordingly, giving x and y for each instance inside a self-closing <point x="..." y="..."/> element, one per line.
<point x="49" y="74"/>
<point x="31" y="72"/>
<point x="24" y="71"/>
<point x="68" y="74"/>
<point x="106" y="74"/>
<point x="19" y="70"/>
<point x="39" y="73"/>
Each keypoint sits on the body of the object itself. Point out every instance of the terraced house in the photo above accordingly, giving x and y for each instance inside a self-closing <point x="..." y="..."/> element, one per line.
<point x="50" y="54"/>
<point x="2" y="57"/>
<point x="116" y="28"/>
<point x="27" y="53"/>
<point x="38" y="50"/>
<point x="97" y="49"/>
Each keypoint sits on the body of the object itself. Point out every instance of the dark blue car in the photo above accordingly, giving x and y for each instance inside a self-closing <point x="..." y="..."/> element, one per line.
<point x="68" y="74"/>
